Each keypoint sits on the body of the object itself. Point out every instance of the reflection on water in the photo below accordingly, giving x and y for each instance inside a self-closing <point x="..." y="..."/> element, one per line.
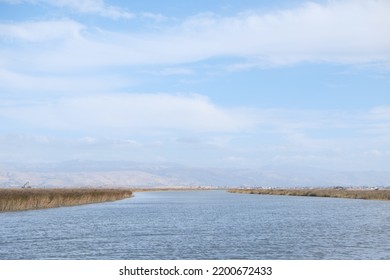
<point x="201" y="225"/>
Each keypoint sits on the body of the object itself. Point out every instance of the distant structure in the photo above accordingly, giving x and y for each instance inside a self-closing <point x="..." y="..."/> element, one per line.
<point x="26" y="185"/>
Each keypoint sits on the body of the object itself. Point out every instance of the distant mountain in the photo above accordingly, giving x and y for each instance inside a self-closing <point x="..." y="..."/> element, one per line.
<point x="123" y="173"/>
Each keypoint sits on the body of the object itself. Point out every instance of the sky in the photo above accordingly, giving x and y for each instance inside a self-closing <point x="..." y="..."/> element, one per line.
<point x="201" y="83"/>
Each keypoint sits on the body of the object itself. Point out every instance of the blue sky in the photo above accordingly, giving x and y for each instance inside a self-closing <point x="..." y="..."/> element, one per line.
<point x="201" y="83"/>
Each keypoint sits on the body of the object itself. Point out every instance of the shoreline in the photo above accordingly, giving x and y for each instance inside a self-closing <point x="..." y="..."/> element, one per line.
<point x="45" y="198"/>
<point x="383" y="194"/>
<point x="42" y="198"/>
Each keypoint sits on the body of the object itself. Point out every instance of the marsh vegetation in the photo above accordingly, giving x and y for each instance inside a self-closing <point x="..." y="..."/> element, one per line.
<point x="383" y="194"/>
<point x="27" y="199"/>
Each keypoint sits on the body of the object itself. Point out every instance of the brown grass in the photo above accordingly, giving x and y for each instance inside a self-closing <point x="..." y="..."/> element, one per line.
<point x="321" y="192"/>
<point x="27" y="199"/>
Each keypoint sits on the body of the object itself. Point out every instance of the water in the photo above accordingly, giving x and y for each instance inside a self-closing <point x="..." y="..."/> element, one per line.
<point x="201" y="225"/>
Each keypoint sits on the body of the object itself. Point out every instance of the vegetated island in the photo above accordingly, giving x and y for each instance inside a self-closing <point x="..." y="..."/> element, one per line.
<point x="372" y="194"/>
<point x="29" y="199"/>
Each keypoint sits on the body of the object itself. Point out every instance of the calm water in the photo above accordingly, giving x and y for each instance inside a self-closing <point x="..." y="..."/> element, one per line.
<point x="201" y="225"/>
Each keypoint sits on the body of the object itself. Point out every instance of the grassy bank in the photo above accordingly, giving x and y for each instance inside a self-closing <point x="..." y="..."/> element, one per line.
<point x="27" y="199"/>
<point x="324" y="192"/>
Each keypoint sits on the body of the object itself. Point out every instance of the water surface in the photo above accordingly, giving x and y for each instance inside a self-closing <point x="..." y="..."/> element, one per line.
<point x="201" y="225"/>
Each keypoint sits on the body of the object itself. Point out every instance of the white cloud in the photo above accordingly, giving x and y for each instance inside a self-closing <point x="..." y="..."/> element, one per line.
<point x="176" y="71"/>
<point x="128" y="143"/>
<point x="190" y="128"/>
<point x="381" y="113"/>
<point x="336" y="32"/>
<point x="87" y="140"/>
<point x="379" y="120"/>
<point x="72" y="83"/>
<point x="42" y="60"/>
<point x="339" y="31"/>
<point x="375" y="153"/>
<point x="350" y="32"/>
<point x="41" y="31"/>
<point x="136" y="112"/>
<point x="92" y="7"/>
<point x="97" y="7"/>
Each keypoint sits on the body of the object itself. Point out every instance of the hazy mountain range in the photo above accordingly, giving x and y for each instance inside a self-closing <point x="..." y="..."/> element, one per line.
<point x="123" y="173"/>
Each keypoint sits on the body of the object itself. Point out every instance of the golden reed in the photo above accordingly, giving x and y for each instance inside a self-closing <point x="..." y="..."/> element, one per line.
<point x="323" y="192"/>
<point x="27" y="199"/>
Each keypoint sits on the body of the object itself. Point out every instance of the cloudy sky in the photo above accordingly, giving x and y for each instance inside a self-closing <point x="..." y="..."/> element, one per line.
<point x="203" y="83"/>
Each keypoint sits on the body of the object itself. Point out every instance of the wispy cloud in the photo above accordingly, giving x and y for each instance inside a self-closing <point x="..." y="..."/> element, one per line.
<point x="191" y="114"/>
<point x="349" y="32"/>
<point x="97" y="7"/>
<point x="191" y="127"/>
<point x="40" y="31"/>
<point x="92" y="7"/>
<point x="379" y="117"/>
<point x="381" y="113"/>
<point x="176" y="71"/>
<point x="339" y="31"/>
<point x="74" y="81"/>
<point x="135" y="112"/>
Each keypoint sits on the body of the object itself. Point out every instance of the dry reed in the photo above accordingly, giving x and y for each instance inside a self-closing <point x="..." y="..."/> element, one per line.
<point x="27" y="199"/>
<point x="322" y="192"/>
